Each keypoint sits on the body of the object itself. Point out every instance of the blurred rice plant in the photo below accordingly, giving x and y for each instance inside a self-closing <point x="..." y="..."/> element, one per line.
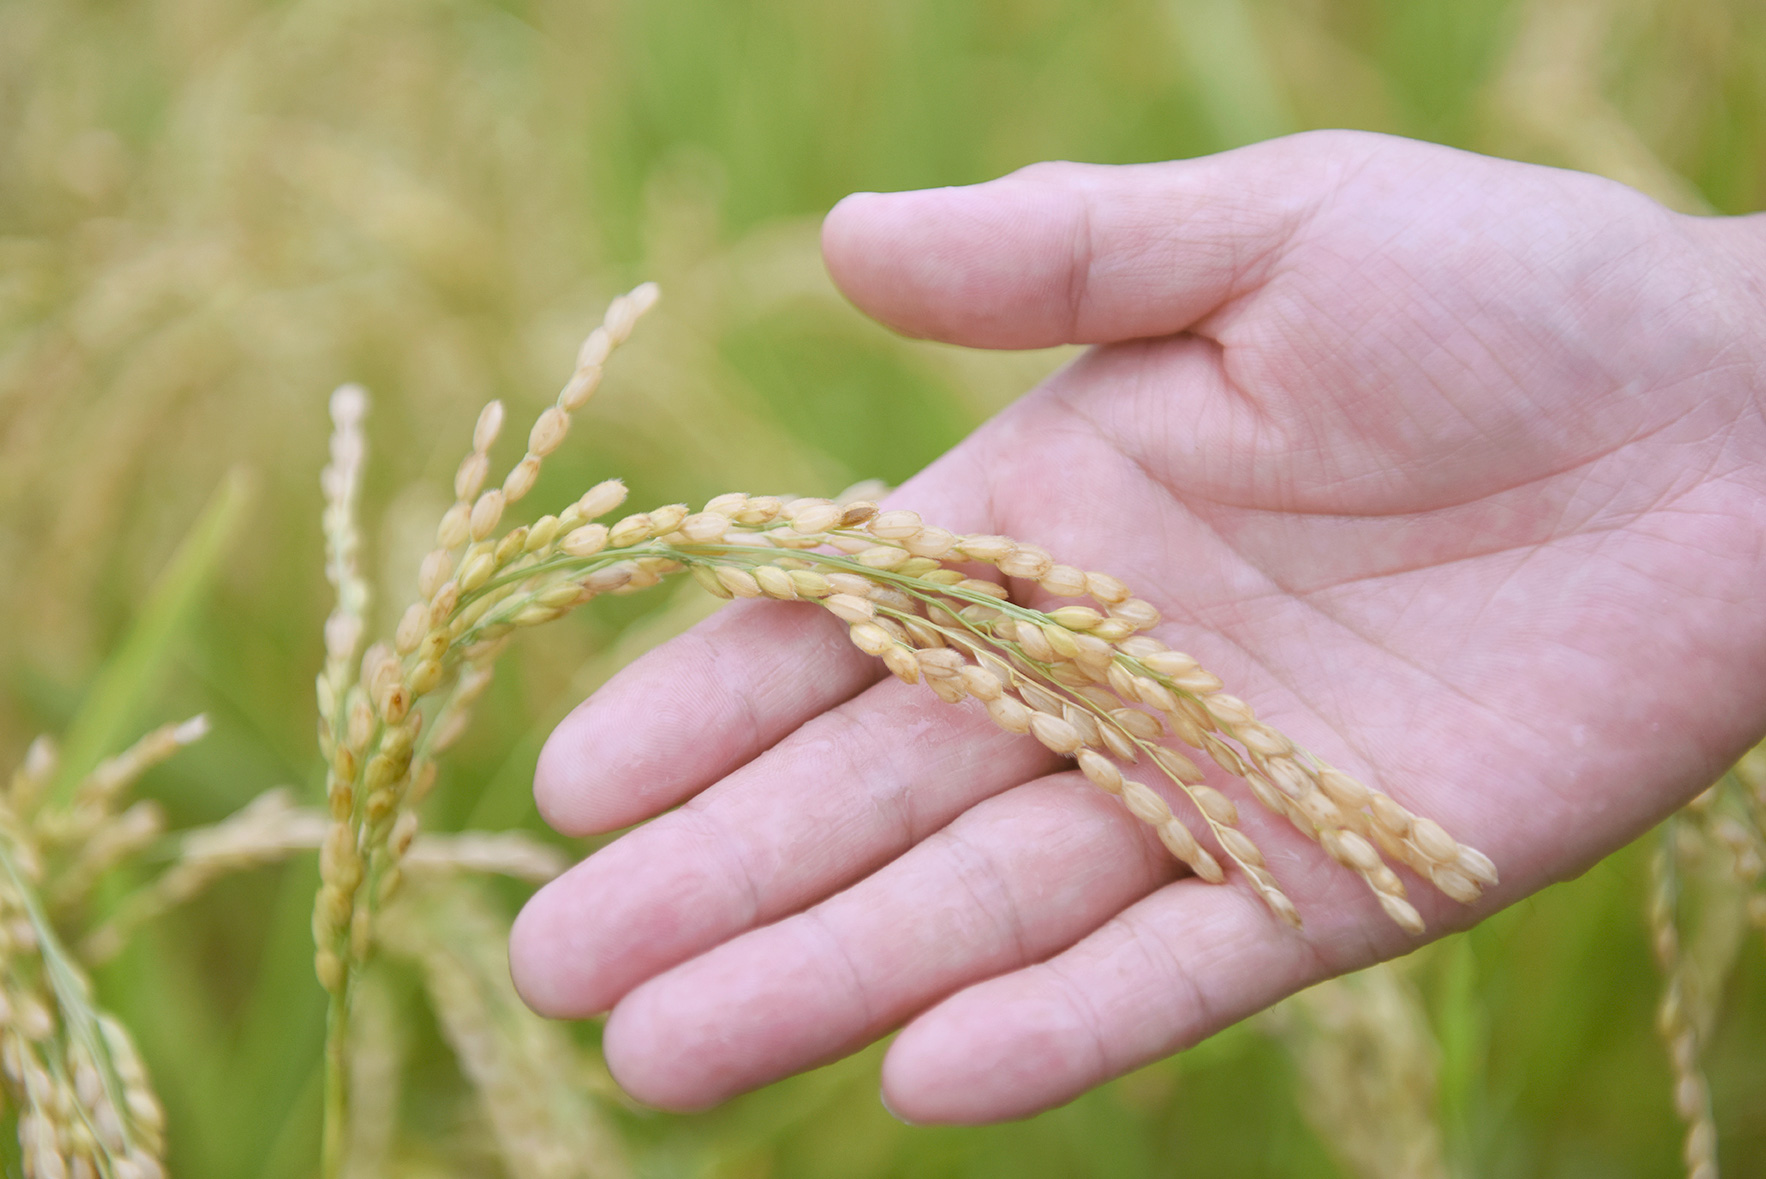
<point x="214" y="211"/>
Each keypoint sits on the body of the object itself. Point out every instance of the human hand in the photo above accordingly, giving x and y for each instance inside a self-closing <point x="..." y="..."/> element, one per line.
<point x="1451" y="466"/>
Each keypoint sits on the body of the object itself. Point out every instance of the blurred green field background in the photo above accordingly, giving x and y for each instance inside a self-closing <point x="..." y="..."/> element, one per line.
<point x="214" y="211"/>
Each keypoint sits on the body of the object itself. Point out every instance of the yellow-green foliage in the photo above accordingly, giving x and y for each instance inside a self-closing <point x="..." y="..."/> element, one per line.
<point x="212" y="212"/>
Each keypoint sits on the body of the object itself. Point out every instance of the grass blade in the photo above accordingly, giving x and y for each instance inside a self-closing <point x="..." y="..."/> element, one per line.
<point x="110" y="706"/>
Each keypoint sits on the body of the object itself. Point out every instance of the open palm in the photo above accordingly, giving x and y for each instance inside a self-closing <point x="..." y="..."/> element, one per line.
<point x="1451" y="466"/>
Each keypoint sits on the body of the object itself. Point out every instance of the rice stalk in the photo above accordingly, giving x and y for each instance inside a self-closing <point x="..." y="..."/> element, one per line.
<point x="529" y="1078"/>
<point x="86" y="1107"/>
<point x="271" y="828"/>
<point x="1368" y="1069"/>
<point x="514" y="854"/>
<point x="1706" y="878"/>
<point x="1743" y="831"/>
<point x="376" y="1064"/>
<point x="378" y="750"/>
<point x="1083" y="680"/>
<point x="1086" y="681"/>
<point x="1549" y="98"/>
<point x="268" y="829"/>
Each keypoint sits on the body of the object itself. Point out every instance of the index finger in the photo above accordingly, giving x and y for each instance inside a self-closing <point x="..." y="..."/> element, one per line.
<point x="703" y="705"/>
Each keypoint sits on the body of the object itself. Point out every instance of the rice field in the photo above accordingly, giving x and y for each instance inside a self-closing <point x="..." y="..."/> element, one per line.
<point x="214" y="212"/>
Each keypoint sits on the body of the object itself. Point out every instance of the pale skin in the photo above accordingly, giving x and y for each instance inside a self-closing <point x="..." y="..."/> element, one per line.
<point x="1455" y="468"/>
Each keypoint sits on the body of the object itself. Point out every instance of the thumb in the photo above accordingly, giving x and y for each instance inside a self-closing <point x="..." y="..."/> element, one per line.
<point x="1082" y="253"/>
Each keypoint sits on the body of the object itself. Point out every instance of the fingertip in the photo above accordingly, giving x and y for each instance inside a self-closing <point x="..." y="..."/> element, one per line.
<point x="635" y="908"/>
<point x="852" y="205"/>
<point x="960" y="1064"/>
<point x="883" y="1097"/>
<point x="970" y="265"/>
<point x="842" y="229"/>
<point x="693" y="710"/>
<point x="615" y="759"/>
<point x="558" y="781"/>
<point x="619" y="757"/>
<point x="863" y="241"/>
<point x="537" y="945"/>
<point x="638" y="1055"/>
